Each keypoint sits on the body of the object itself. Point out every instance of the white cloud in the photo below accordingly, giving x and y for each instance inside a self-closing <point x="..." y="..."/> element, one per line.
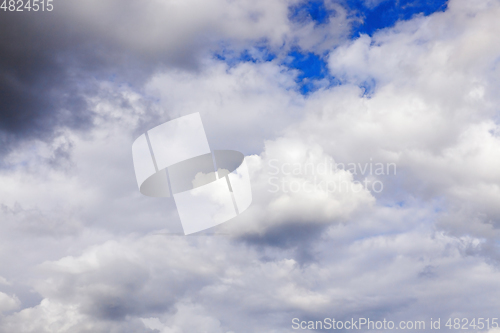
<point x="8" y="303"/>
<point x="294" y="184"/>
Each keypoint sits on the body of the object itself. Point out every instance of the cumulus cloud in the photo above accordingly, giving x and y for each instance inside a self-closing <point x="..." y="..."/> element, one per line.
<point x="297" y="193"/>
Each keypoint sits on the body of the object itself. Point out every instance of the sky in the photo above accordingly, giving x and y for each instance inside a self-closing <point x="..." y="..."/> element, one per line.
<point x="371" y="133"/>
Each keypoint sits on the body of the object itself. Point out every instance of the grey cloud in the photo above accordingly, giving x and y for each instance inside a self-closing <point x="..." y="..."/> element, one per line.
<point x="376" y="276"/>
<point x="50" y="62"/>
<point x="46" y="70"/>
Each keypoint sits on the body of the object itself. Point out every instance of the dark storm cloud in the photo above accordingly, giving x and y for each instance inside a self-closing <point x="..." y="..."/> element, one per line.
<point x="39" y="91"/>
<point x="48" y="64"/>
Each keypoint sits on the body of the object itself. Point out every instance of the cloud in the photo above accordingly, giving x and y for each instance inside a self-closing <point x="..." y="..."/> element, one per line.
<point x="51" y="316"/>
<point x="187" y="318"/>
<point x="8" y="303"/>
<point x="51" y="60"/>
<point x="297" y="193"/>
<point x="189" y="282"/>
<point x="103" y="258"/>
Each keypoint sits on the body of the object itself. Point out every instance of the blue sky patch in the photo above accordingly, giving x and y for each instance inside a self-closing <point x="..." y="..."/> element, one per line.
<point x="388" y="12"/>
<point x="311" y="66"/>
